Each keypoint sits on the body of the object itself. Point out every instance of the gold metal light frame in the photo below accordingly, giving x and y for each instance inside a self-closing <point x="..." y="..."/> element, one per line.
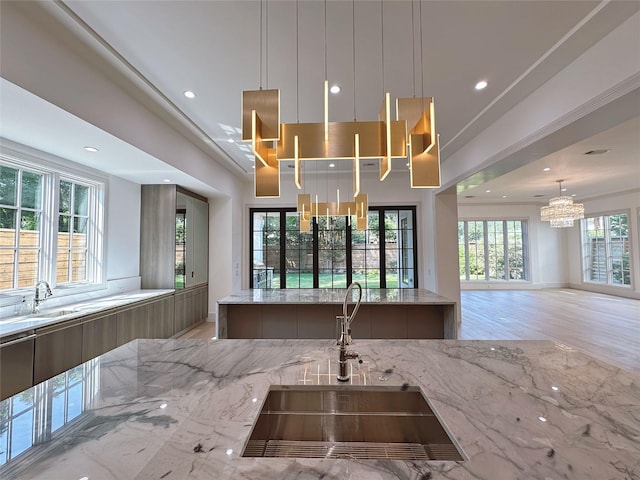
<point x="308" y="209"/>
<point x="385" y="139"/>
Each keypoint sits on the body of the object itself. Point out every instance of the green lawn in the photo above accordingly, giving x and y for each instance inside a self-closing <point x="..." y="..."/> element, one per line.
<point x="372" y="280"/>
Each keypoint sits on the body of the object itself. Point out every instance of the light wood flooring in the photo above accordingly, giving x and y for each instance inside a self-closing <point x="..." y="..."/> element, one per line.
<point x="604" y="326"/>
<point x="202" y="331"/>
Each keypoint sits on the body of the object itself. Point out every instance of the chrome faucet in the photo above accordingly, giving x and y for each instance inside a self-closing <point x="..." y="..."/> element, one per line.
<point x="345" y="332"/>
<point x="37" y="300"/>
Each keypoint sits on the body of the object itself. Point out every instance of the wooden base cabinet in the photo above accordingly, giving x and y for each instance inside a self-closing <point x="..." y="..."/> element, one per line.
<point x="98" y="336"/>
<point x="191" y="307"/>
<point x="58" y="348"/>
<point x="16" y="364"/>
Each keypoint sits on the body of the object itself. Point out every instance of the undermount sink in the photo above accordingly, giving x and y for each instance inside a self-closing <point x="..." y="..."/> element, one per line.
<point x="55" y="313"/>
<point x="359" y="422"/>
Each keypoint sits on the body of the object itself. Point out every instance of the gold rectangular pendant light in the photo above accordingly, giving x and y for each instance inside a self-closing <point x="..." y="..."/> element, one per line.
<point x="385" y="117"/>
<point x="308" y="209"/>
<point x="412" y="134"/>
<point x="424" y="149"/>
<point x="296" y="164"/>
<point x="356" y="165"/>
<point x="266" y="177"/>
<point x="340" y="144"/>
<point x="266" y="103"/>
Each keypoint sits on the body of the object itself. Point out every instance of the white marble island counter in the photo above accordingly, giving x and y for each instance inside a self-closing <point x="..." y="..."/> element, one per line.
<point x="310" y="313"/>
<point x="183" y="409"/>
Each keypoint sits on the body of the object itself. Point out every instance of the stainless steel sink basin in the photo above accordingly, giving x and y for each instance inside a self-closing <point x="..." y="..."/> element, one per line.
<point x="361" y="422"/>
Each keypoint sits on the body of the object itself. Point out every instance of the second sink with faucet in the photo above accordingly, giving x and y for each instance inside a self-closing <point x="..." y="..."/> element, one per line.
<point x="37" y="300"/>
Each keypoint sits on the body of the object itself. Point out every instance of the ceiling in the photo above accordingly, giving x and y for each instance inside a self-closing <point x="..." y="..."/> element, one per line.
<point x="442" y="49"/>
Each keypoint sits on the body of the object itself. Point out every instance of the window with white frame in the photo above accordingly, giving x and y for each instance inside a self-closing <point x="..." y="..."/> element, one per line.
<point x="50" y="226"/>
<point x="493" y="250"/>
<point x="605" y="249"/>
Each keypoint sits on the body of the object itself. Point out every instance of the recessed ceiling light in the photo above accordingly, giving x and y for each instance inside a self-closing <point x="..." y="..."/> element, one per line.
<point x="546" y="169"/>
<point x="332" y="165"/>
<point x="189" y="94"/>
<point x="488" y="191"/>
<point x="91" y="149"/>
<point x="230" y="140"/>
<point x="573" y="194"/>
<point x="542" y="419"/>
<point x="504" y="196"/>
<point x="335" y="89"/>
<point x="481" y="85"/>
<point x="166" y="180"/>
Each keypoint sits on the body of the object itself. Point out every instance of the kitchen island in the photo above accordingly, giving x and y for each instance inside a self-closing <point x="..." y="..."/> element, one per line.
<point x="310" y="313"/>
<point x="183" y="409"/>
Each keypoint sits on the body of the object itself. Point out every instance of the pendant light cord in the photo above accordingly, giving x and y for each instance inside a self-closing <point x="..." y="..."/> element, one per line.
<point x="266" y="46"/>
<point x="260" y="44"/>
<point x="353" y="44"/>
<point x="421" y="59"/>
<point x="382" y="43"/>
<point x="297" y="65"/>
<point x="325" y="40"/>
<point x="413" y="45"/>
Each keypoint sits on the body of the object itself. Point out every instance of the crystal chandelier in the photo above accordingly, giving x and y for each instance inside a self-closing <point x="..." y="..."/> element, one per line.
<point x="561" y="211"/>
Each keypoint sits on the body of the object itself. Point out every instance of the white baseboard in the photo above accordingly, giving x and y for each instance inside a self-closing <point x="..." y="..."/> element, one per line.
<point x="606" y="289"/>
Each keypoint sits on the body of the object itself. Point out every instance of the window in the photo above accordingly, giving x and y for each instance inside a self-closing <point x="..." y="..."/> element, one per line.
<point x="50" y="226"/>
<point x="181" y="245"/>
<point x="334" y="253"/>
<point x="21" y="198"/>
<point x="605" y="249"/>
<point x="492" y="249"/>
<point x="73" y="218"/>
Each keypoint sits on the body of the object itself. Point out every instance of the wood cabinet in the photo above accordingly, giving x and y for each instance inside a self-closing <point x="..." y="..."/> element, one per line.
<point x="161" y="264"/>
<point x="307" y="320"/>
<point x="155" y="319"/>
<point x="16" y="363"/>
<point x="191" y="307"/>
<point x="98" y="336"/>
<point x="57" y="349"/>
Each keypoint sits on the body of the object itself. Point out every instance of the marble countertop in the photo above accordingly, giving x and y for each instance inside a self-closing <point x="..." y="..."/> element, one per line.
<point x="50" y="315"/>
<point x="394" y="296"/>
<point x="183" y="409"/>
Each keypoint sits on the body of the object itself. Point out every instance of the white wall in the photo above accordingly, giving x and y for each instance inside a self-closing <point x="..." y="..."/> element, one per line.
<point x="628" y="202"/>
<point x="123" y="230"/>
<point x="547" y="263"/>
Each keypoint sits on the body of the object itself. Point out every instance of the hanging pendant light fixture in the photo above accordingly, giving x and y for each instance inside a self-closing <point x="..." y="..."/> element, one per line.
<point x="412" y="134"/>
<point x="561" y="211"/>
